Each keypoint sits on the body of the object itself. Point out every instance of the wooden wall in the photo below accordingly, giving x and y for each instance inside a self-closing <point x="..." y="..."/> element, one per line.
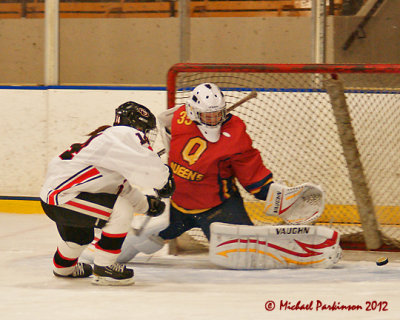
<point x="137" y="51"/>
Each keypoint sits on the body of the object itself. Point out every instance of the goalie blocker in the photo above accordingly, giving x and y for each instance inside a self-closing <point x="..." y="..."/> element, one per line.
<point x="273" y="247"/>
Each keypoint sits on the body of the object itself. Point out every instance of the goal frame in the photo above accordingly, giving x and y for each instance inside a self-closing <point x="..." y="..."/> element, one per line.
<point x="369" y="223"/>
<point x="271" y="68"/>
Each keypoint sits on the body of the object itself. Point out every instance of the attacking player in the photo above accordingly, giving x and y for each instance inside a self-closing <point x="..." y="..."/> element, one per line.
<point x="91" y="185"/>
<point x="209" y="150"/>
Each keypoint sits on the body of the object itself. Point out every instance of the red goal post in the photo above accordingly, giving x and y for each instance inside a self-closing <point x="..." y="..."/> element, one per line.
<point x="334" y="125"/>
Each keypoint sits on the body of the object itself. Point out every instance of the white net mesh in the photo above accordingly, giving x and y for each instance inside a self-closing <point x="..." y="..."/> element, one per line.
<point x="292" y="124"/>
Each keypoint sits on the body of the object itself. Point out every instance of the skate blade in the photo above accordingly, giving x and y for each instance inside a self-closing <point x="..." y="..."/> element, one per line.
<point x="106" y="281"/>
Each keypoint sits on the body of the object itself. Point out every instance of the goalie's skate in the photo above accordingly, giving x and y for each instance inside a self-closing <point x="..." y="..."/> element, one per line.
<point x="81" y="270"/>
<point x="114" y="275"/>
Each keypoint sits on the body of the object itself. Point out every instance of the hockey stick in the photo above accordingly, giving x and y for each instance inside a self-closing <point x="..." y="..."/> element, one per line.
<point x="250" y="96"/>
<point x="137" y="232"/>
<point x="161" y="152"/>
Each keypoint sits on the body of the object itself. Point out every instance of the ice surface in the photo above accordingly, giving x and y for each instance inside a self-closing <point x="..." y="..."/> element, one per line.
<point x="183" y="287"/>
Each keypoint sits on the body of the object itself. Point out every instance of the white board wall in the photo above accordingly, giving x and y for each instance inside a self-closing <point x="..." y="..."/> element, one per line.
<point x="38" y="124"/>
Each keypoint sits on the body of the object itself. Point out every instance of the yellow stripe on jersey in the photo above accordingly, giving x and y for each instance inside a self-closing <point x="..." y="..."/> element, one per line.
<point x="225" y="189"/>
<point x="258" y="189"/>
<point x="188" y="211"/>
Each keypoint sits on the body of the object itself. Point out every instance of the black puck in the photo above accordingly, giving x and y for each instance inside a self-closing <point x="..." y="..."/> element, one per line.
<point x="382" y="261"/>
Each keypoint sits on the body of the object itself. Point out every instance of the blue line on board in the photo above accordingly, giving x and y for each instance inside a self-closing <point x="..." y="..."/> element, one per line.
<point x="148" y="88"/>
<point x="376" y="91"/>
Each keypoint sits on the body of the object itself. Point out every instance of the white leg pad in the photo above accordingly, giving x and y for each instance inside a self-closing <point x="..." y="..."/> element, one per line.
<point x="155" y="225"/>
<point x="273" y="247"/>
<point x="135" y="244"/>
<point x="147" y="242"/>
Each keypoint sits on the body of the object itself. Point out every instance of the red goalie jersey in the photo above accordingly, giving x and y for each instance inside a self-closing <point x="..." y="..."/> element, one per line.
<point x="205" y="172"/>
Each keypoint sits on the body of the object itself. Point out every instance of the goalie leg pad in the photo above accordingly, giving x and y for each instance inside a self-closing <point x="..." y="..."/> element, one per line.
<point x="147" y="242"/>
<point x="273" y="247"/>
<point x="135" y="244"/>
<point x="295" y="205"/>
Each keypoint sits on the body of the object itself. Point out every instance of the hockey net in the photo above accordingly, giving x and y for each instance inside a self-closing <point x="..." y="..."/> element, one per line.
<point x="346" y="139"/>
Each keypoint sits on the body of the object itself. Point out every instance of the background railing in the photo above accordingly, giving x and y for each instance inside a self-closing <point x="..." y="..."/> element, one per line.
<point x="165" y="8"/>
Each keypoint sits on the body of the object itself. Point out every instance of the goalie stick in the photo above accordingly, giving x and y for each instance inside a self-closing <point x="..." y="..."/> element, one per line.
<point x="250" y="96"/>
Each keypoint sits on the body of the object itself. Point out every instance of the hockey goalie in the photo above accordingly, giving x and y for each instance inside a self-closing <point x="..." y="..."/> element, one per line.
<point x="289" y="245"/>
<point x="209" y="152"/>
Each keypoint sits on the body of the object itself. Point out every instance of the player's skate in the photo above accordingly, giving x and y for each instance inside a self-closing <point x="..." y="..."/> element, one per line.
<point x="113" y="275"/>
<point x="81" y="270"/>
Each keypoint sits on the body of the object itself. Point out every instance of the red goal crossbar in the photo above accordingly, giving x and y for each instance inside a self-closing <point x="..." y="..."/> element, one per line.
<point x="271" y="68"/>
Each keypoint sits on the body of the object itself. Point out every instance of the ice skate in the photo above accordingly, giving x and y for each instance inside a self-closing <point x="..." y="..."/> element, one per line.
<point x="81" y="270"/>
<point x="113" y="275"/>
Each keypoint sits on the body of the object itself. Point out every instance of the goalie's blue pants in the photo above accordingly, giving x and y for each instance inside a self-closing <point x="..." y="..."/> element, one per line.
<point x="231" y="211"/>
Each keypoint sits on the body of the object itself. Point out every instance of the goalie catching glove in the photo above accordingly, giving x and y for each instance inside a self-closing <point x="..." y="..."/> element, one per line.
<point x="169" y="188"/>
<point x="156" y="206"/>
<point x="295" y="205"/>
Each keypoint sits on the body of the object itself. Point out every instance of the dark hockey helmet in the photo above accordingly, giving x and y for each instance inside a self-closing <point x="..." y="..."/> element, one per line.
<point x="135" y="115"/>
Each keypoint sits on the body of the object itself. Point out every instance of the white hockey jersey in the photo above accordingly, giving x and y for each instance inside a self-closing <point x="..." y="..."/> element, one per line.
<point x="119" y="157"/>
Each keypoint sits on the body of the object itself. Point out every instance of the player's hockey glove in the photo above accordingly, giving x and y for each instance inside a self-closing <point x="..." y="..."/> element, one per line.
<point x="169" y="188"/>
<point x="156" y="206"/>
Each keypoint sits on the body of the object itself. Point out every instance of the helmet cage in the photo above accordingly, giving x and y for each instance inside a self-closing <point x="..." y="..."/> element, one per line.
<point x="211" y="118"/>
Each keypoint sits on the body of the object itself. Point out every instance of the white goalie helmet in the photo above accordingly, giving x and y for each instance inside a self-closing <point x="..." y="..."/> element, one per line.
<point x="206" y="107"/>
